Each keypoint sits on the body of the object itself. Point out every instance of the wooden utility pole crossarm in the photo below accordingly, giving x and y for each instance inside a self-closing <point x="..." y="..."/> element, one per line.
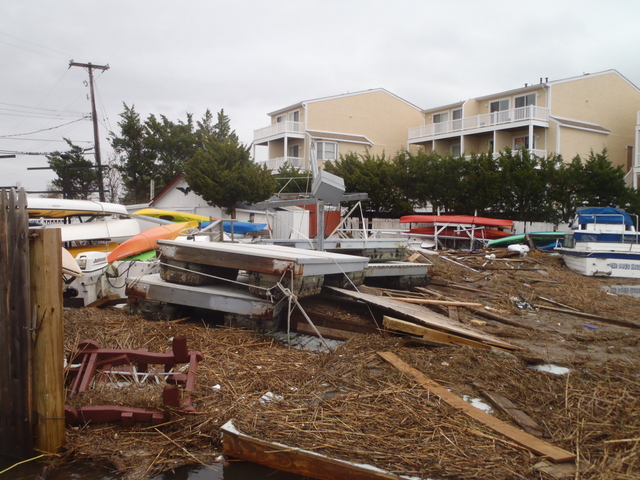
<point x="94" y="117"/>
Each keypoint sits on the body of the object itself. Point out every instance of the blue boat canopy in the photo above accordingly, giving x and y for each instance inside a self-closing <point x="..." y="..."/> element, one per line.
<point x="607" y="215"/>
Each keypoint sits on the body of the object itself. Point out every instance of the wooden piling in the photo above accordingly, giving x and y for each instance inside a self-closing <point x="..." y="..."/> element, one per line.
<point x="48" y="339"/>
<point x="15" y="389"/>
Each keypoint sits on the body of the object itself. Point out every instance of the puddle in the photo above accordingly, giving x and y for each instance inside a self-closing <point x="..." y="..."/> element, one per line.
<point x="233" y="470"/>
<point x="550" y="368"/>
<point x="307" y="342"/>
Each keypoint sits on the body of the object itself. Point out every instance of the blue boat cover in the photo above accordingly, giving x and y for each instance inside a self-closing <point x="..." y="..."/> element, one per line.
<point x="608" y="215"/>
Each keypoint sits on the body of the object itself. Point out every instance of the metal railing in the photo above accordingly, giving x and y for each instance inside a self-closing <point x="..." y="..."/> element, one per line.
<point x="274" y="164"/>
<point x="278" y="129"/>
<point x="484" y="121"/>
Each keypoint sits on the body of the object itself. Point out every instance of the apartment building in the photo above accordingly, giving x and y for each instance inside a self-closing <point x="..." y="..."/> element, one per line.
<point x="570" y="117"/>
<point x="311" y="132"/>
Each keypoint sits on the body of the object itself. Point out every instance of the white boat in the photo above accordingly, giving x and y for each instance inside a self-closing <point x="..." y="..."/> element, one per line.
<point x="84" y="225"/>
<point x="603" y="242"/>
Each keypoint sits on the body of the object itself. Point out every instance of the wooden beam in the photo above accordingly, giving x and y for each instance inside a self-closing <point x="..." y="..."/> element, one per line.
<point x="430" y="334"/>
<point x="48" y="345"/>
<point x="427" y="301"/>
<point x="295" y="460"/>
<point x="334" y="333"/>
<point x="597" y="318"/>
<point x="425" y="317"/>
<point x="507" y="407"/>
<point x="536" y="445"/>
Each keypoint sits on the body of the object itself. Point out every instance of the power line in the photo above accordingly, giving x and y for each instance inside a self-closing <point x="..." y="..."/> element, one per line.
<point x="41" y="130"/>
<point x="66" y="55"/>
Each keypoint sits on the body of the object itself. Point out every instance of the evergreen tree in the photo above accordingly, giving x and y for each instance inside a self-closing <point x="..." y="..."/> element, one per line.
<point x="223" y="173"/>
<point x="135" y="161"/>
<point x="173" y="143"/>
<point x="77" y="176"/>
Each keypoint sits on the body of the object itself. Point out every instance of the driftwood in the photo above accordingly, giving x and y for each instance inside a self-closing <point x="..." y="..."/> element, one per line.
<point x="597" y="318"/>
<point x="536" y="445"/>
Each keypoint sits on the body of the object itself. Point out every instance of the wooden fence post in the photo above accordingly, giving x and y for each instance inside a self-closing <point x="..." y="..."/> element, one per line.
<point x="48" y="339"/>
<point x="15" y="375"/>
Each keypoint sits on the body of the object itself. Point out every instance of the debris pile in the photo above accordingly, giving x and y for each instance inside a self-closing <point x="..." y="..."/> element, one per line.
<point x="351" y="404"/>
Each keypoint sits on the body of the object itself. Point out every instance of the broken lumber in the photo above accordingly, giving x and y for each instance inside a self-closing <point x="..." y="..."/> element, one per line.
<point x="534" y="444"/>
<point x="597" y="318"/>
<point x="430" y="334"/>
<point x="424" y="317"/>
<point x="427" y="301"/>
<point x="507" y="407"/>
<point x="295" y="460"/>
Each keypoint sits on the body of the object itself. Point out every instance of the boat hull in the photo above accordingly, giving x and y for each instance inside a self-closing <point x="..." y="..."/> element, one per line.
<point x="595" y="259"/>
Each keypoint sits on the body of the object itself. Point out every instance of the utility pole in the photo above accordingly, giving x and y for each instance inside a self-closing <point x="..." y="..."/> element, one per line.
<point x="94" y="117"/>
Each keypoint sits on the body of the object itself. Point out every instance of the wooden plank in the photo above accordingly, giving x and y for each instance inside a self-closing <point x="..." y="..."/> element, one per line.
<point x="597" y="318"/>
<point x="430" y="334"/>
<point x="334" y="333"/>
<point x="453" y="313"/>
<point x="536" y="445"/>
<point x="556" y="470"/>
<point x="425" y="317"/>
<point x="507" y="407"/>
<point x="427" y="301"/>
<point x="48" y="350"/>
<point x="295" y="460"/>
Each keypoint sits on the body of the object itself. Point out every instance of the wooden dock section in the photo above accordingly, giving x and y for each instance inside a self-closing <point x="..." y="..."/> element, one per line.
<point x="226" y="298"/>
<point x="304" y="272"/>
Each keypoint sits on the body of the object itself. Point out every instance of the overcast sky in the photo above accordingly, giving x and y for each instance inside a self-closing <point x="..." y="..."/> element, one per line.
<point x="252" y="57"/>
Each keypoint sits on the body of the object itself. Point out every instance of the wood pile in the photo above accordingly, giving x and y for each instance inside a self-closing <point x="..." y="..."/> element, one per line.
<point x="353" y="405"/>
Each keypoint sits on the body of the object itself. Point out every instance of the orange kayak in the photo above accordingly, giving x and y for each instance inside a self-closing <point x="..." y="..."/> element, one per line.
<point x="148" y="239"/>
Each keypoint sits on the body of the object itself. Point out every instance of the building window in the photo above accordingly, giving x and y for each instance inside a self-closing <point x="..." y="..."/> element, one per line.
<point x="456" y="115"/>
<point x="520" y="143"/>
<point x="294" y="151"/>
<point x="440" y="117"/>
<point x="294" y="116"/>
<point x="280" y="119"/>
<point x="526" y="100"/>
<point x="456" y="151"/>
<point x="326" y="151"/>
<point x="500" y="105"/>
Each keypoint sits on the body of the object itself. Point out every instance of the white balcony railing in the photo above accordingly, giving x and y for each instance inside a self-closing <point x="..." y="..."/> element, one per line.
<point x="274" y="164"/>
<point x="278" y="130"/>
<point x="501" y="119"/>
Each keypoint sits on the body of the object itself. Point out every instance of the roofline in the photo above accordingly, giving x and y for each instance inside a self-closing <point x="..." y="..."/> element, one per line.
<point x="596" y="74"/>
<point x="580" y="125"/>
<point x="165" y="189"/>
<point x="317" y="134"/>
<point x="333" y="97"/>
<point x="445" y="107"/>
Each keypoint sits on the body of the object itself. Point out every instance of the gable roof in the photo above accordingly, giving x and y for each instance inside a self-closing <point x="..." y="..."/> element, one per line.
<point x="169" y="186"/>
<point x="333" y="97"/>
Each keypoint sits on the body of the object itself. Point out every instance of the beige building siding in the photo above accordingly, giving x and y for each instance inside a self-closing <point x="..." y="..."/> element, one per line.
<point x="373" y="120"/>
<point x="381" y="117"/>
<point x="576" y="142"/>
<point x="571" y="116"/>
<point x="607" y="100"/>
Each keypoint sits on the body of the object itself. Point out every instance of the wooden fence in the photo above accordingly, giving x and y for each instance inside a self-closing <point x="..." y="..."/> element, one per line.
<point x="31" y="332"/>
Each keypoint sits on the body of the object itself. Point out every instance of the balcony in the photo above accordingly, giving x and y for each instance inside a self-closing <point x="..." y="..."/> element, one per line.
<point x="274" y="164"/>
<point x="278" y="130"/>
<point x="514" y="117"/>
